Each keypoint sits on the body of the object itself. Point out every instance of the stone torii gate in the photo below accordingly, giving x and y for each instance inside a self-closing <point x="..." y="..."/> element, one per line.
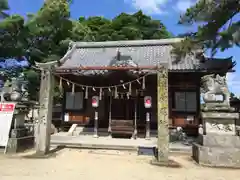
<point x="46" y="103"/>
<point x="43" y="124"/>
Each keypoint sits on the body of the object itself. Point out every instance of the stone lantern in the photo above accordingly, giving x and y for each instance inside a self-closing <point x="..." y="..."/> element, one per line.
<point x="15" y="91"/>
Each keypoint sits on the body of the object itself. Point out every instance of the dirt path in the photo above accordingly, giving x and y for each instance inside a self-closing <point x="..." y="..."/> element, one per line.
<point x="70" y="164"/>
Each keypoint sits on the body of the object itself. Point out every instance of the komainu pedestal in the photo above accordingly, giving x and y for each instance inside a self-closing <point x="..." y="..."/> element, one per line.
<point x="218" y="144"/>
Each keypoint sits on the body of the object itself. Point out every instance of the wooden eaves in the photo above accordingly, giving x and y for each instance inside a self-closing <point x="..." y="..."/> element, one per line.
<point x="109" y="68"/>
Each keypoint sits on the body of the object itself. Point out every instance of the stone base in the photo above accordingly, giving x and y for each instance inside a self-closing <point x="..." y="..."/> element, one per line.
<point x="220" y="122"/>
<point x="169" y="163"/>
<point x="20" y="144"/>
<point x="216" y="156"/>
<point x="216" y="140"/>
<point x="19" y="132"/>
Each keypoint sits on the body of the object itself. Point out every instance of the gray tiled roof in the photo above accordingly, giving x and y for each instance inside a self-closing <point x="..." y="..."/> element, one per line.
<point x="134" y="53"/>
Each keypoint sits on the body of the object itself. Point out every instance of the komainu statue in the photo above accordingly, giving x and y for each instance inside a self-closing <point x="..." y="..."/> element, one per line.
<point x="214" y="86"/>
<point x="14" y="90"/>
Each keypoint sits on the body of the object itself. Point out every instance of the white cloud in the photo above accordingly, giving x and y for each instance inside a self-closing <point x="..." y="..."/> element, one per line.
<point x="182" y="5"/>
<point x="149" y="6"/>
<point x="233" y="81"/>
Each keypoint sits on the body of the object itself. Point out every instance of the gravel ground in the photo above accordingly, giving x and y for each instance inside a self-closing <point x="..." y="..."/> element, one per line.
<point x="74" y="164"/>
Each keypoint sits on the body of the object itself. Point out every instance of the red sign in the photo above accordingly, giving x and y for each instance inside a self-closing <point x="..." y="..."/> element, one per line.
<point x="7" y="107"/>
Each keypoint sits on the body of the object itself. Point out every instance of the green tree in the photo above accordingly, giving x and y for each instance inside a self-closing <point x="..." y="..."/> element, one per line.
<point x="45" y="36"/>
<point x="41" y="38"/>
<point x="123" y="27"/>
<point x="13" y="44"/>
<point x="218" y="26"/>
<point x="12" y="37"/>
<point x="80" y="32"/>
<point x="48" y="28"/>
<point x="3" y="7"/>
<point x="138" y="26"/>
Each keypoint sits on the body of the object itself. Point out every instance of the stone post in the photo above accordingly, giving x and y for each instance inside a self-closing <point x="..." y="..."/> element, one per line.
<point x="162" y="115"/>
<point x="95" y="134"/>
<point x="45" y="112"/>
<point x="162" y="153"/>
<point x="147" y="136"/>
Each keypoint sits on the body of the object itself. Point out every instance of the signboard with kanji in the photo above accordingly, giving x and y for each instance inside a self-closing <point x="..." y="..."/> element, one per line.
<point x="6" y="117"/>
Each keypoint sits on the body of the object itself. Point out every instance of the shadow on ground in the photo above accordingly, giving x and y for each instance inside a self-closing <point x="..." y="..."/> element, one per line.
<point x="52" y="154"/>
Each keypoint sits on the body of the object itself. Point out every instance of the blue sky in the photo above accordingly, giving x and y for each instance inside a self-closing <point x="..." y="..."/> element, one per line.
<point x="168" y="11"/>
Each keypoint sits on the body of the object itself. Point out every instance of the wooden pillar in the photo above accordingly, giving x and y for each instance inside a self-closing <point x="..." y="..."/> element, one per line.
<point x="45" y="112"/>
<point x="163" y="122"/>
<point x="110" y="116"/>
<point x="134" y="135"/>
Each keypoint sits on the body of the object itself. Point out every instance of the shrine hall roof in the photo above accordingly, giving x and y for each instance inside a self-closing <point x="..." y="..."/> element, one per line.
<point x="131" y="53"/>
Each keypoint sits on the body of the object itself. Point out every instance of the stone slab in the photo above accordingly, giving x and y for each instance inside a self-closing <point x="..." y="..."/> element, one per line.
<point x="215" y="140"/>
<point x="216" y="156"/>
<point x="215" y="107"/>
<point x="220" y="115"/>
<point x="112" y="143"/>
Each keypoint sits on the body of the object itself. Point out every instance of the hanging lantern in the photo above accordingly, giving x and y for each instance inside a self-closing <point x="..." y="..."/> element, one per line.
<point x="147" y="101"/>
<point x="95" y="101"/>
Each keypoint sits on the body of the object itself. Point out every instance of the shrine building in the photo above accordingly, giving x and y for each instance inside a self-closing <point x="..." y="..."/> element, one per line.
<point x="114" y="84"/>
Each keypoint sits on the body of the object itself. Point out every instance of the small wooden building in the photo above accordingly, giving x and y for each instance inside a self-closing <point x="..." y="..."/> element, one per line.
<point x="122" y="73"/>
